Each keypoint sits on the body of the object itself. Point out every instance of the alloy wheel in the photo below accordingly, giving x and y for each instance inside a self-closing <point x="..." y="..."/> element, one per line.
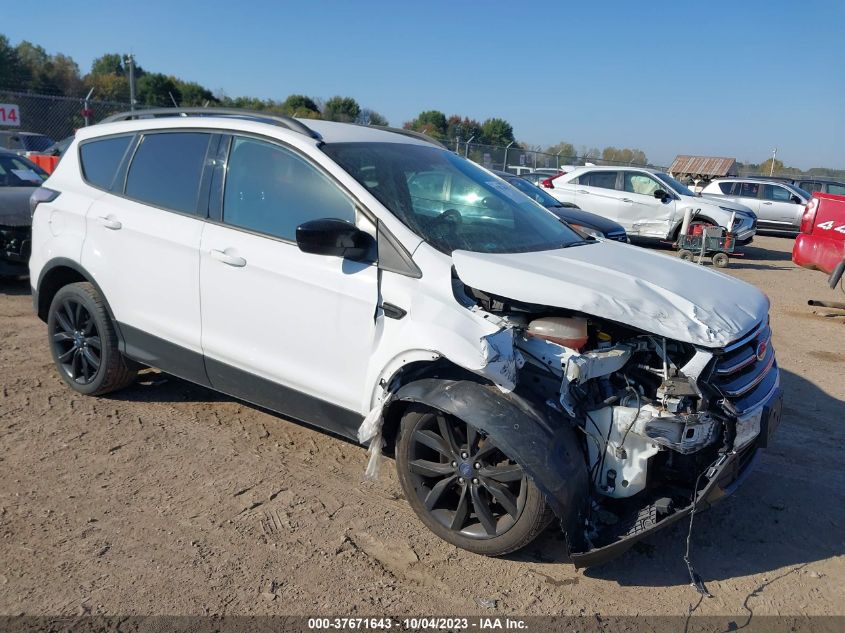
<point x="464" y="480"/>
<point x="76" y="342"/>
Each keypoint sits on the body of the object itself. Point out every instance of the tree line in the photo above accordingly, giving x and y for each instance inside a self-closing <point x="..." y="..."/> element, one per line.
<point x="28" y="67"/>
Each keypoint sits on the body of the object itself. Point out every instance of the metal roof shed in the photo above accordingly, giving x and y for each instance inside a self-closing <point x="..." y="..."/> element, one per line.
<point x="703" y="167"/>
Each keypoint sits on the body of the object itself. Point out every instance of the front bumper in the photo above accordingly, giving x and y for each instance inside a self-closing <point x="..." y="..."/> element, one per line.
<point x="15" y="247"/>
<point x="727" y="475"/>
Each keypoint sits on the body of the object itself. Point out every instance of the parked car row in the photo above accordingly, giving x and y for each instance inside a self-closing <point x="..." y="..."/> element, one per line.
<point x="650" y="205"/>
<point x="19" y="177"/>
<point x="379" y="286"/>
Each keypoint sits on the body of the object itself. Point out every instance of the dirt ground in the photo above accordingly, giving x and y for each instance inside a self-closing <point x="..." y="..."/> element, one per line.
<point x="167" y="498"/>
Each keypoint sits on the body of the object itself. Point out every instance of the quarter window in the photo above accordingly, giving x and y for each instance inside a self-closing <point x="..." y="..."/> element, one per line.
<point x="726" y="187"/>
<point x="100" y="160"/>
<point x="167" y="169"/>
<point x="272" y="190"/>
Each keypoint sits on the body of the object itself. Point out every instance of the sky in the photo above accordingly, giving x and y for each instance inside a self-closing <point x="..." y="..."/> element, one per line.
<point x="714" y="78"/>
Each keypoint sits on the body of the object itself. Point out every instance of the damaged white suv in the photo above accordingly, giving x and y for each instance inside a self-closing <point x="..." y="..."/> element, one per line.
<point x="372" y="283"/>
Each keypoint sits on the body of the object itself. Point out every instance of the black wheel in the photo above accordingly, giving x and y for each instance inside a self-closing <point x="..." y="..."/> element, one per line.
<point x="685" y="255"/>
<point x="464" y="488"/>
<point x="721" y="260"/>
<point x="83" y="342"/>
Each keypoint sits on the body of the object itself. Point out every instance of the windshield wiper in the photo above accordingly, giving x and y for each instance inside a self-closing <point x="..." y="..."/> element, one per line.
<point x="589" y="240"/>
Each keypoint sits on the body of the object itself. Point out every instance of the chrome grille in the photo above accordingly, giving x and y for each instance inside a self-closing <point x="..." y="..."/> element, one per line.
<point x="745" y="380"/>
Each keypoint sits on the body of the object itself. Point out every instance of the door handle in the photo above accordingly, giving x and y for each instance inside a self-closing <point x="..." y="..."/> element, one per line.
<point x="228" y="258"/>
<point x="110" y="223"/>
<point x="582" y="191"/>
<point x="627" y="200"/>
<point x="767" y="203"/>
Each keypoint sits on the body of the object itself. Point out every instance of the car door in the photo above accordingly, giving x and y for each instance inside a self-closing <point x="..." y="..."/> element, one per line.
<point x="281" y="328"/>
<point x="747" y="192"/>
<point x="646" y="215"/>
<point x="596" y="191"/>
<point x="782" y="207"/>
<point x="142" y="242"/>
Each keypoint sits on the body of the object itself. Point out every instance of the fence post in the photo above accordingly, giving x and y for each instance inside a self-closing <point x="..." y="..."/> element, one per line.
<point x="505" y="162"/>
<point x="466" y="152"/>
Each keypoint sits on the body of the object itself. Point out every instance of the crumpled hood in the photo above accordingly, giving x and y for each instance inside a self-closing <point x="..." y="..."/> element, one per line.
<point x="651" y="291"/>
<point x="14" y="206"/>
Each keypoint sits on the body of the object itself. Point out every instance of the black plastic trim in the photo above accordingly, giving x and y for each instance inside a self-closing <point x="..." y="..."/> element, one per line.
<point x="392" y="256"/>
<point x="392" y="311"/>
<point x="153" y="351"/>
<point x="281" y="399"/>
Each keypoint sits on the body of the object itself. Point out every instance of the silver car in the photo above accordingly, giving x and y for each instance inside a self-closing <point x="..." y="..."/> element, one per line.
<point x="778" y="205"/>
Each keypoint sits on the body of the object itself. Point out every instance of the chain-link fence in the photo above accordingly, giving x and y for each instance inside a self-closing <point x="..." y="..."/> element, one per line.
<point x="56" y="117"/>
<point x="518" y="160"/>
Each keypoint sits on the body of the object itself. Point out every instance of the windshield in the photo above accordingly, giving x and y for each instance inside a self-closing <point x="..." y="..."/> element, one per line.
<point x="804" y="194"/>
<point x="451" y="202"/>
<point x="534" y="192"/>
<point x="678" y="186"/>
<point x="16" y="171"/>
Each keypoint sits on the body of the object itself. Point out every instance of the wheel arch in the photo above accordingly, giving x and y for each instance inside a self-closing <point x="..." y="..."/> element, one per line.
<point x="58" y="273"/>
<point x="546" y="447"/>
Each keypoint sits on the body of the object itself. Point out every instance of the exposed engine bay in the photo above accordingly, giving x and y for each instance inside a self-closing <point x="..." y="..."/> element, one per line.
<point x="650" y="428"/>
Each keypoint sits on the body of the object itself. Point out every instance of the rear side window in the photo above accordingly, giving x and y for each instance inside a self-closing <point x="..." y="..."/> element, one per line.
<point x="811" y="186"/>
<point x="167" y="169"/>
<point x="726" y="187"/>
<point x="602" y="179"/>
<point x="837" y="190"/>
<point x="100" y="160"/>
<point x="749" y="189"/>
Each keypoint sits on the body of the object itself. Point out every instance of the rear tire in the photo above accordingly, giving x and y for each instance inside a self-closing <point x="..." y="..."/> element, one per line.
<point x="721" y="260"/>
<point x="685" y="255"/>
<point x="463" y="488"/>
<point x="84" y="344"/>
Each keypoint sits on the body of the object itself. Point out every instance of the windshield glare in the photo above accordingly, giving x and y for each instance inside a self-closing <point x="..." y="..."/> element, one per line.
<point x="449" y="201"/>
<point x="679" y="187"/>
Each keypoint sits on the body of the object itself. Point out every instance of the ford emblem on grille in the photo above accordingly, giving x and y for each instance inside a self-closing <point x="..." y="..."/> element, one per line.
<point x="761" y="350"/>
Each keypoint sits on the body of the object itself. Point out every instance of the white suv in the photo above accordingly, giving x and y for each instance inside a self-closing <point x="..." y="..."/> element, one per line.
<point x="779" y="206"/>
<point x="376" y="285"/>
<point x="648" y="203"/>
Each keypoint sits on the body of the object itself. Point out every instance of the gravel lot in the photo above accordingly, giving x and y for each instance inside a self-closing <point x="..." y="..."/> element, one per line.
<point x="167" y="498"/>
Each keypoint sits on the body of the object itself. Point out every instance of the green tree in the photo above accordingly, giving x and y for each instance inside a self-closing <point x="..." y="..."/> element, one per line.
<point x="339" y="108"/>
<point x="194" y="94"/>
<point x="13" y="73"/>
<point x="624" y="155"/>
<point x="371" y="117"/>
<point x="155" y="89"/>
<point x="109" y="64"/>
<point x="567" y="150"/>
<point x="430" y="122"/>
<point x="301" y="106"/>
<point x="496" y="132"/>
<point x="766" y="167"/>
<point x="462" y="128"/>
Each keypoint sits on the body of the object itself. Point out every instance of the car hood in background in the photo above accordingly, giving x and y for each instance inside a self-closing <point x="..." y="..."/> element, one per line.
<point x="656" y="293"/>
<point x="720" y="201"/>
<point x="14" y="206"/>
<point x="585" y="218"/>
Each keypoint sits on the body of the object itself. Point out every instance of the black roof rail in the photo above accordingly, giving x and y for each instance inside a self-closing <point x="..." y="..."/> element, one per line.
<point x="265" y="117"/>
<point x="417" y="135"/>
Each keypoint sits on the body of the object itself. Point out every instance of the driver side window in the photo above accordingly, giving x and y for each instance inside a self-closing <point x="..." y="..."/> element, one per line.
<point x="643" y="184"/>
<point x="272" y="190"/>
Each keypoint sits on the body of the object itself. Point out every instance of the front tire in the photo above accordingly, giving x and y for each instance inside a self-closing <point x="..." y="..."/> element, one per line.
<point x="84" y="343"/>
<point x="464" y="488"/>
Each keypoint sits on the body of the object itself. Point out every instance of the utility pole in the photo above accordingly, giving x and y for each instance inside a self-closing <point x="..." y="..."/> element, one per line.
<point x="774" y="156"/>
<point x="130" y="62"/>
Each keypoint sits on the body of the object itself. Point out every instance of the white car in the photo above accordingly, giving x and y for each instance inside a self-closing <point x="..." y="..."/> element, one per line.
<point x="648" y="203"/>
<point x="374" y="284"/>
<point x="779" y="206"/>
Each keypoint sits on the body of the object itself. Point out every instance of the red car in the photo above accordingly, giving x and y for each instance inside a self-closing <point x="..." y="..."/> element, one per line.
<point x="821" y="243"/>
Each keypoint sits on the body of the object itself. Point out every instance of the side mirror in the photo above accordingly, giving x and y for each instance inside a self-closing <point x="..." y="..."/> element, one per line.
<point x="797" y="200"/>
<point x="330" y="236"/>
<point x="661" y="195"/>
